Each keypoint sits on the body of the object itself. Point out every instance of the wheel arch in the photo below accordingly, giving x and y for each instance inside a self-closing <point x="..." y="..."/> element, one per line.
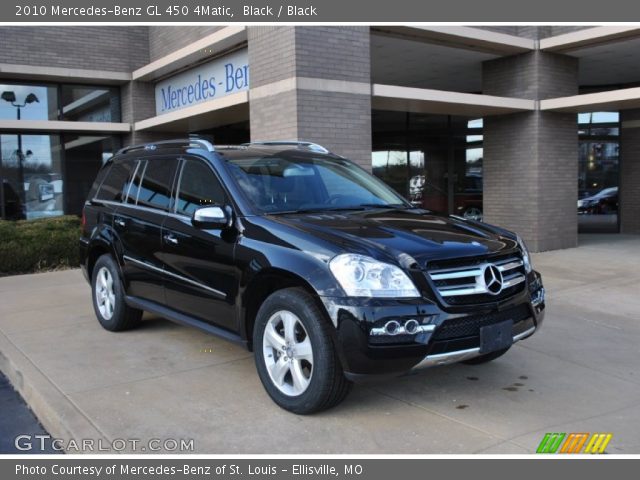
<point x="103" y="242"/>
<point x="263" y="284"/>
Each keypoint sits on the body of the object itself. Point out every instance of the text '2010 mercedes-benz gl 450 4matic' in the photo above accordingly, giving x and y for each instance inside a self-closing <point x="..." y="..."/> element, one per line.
<point x="318" y="267"/>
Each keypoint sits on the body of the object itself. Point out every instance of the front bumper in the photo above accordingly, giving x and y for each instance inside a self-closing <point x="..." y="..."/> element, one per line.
<point x="446" y="335"/>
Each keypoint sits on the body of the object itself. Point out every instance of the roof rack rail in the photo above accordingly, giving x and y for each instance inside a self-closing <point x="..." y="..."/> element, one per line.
<point x="188" y="142"/>
<point x="314" y="147"/>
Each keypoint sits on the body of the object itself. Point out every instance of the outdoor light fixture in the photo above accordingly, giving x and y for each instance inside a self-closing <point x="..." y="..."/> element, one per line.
<point x="31" y="98"/>
<point x="9" y="97"/>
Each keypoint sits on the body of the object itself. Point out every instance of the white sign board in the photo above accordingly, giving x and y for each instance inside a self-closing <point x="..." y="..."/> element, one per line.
<point x="215" y="79"/>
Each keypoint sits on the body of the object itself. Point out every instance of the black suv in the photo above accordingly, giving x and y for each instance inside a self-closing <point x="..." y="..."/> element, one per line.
<point x="327" y="274"/>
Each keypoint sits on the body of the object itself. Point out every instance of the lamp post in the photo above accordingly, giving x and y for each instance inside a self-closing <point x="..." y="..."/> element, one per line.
<point x="10" y="97"/>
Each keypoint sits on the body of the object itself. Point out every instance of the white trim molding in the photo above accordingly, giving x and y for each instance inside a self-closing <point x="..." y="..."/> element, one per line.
<point x="308" y="83"/>
<point x="622" y="99"/>
<point x="422" y="100"/>
<point x="588" y="37"/>
<point x="58" y="74"/>
<point x="468" y="38"/>
<point x="63" y="126"/>
<point x="193" y="112"/>
<point x="208" y="47"/>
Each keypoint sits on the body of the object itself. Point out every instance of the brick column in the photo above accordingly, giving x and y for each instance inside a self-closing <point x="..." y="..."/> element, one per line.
<point x="630" y="172"/>
<point x="312" y="83"/>
<point x="138" y="103"/>
<point x="531" y="158"/>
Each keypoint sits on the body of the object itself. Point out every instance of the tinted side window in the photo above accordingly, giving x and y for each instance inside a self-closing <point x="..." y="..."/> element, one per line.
<point x="133" y="185"/>
<point x="199" y="187"/>
<point x="155" y="189"/>
<point x="113" y="186"/>
<point x="102" y="174"/>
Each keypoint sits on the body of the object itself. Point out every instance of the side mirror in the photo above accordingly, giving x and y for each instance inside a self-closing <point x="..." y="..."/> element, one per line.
<point x="211" y="217"/>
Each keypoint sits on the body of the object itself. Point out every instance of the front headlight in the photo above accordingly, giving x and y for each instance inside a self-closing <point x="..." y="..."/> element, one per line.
<point x="361" y="276"/>
<point x="525" y="255"/>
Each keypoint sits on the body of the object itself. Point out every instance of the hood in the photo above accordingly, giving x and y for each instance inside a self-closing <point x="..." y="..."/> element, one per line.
<point x="397" y="233"/>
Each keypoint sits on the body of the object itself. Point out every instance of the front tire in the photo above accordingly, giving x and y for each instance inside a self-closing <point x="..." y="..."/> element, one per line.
<point x="108" y="295"/>
<point x="295" y="354"/>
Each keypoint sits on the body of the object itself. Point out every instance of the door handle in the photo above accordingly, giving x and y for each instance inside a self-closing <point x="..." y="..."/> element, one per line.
<point x="171" y="238"/>
<point x="121" y="222"/>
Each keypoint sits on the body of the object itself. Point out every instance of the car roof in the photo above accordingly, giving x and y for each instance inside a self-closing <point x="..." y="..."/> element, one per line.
<point x="227" y="152"/>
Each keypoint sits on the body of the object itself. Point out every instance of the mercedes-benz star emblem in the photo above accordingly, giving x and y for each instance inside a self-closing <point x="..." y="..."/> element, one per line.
<point x="493" y="279"/>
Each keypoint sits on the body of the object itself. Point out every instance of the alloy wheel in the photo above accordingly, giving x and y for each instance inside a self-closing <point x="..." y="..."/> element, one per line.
<point x="288" y="354"/>
<point x="105" y="295"/>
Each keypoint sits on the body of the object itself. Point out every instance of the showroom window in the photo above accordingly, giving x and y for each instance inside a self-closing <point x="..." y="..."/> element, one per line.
<point x="49" y="175"/>
<point x="89" y="104"/>
<point x="68" y="102"/>
<point x="43" y="174"/>
<point x="434" y="161"/>
<point x="598" y="172"/>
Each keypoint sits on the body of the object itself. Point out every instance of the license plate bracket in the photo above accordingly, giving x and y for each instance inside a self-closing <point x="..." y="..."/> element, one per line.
<point x="496" y="337"/>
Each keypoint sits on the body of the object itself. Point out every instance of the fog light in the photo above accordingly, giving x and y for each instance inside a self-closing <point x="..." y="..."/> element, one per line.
<point x="411" y="326"/>
<point x="392" y="327"/>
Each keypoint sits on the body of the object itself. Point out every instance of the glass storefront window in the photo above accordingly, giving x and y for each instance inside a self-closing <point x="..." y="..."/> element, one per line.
<point x="83" y="157"/>
<point x="49" y="175"/>
<point x="76" y="103"/>
<point x="32" y="175"/>
<point x="89" y="104"/>
<point x="598" y="172"/>
<point x="598" y="117"/>
<point x="28" y="102"/>
<point x="435" y="161"/>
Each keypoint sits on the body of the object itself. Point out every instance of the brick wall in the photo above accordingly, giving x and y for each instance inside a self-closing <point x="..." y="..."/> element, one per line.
<point x="562" y="29"/>
<point x="166" y="39"/>
<point x="630" y="174"/>
<point x="531" y="159"/>
<point x="272" y="54"/>
<point x="138" y="101"/>
<point x="274" y="117"/>
<point x="338" y="53"/>
<point x="339" y="121"/>
<point x="112" y="48"/>
<point x="535" y="75"/>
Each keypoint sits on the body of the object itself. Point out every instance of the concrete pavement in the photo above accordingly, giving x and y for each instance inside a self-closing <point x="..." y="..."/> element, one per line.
<point x="163" y="381"/>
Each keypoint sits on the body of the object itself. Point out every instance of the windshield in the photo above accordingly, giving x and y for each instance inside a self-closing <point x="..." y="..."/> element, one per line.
<point x="607" y="192"/>
<point x="300" y="183"/>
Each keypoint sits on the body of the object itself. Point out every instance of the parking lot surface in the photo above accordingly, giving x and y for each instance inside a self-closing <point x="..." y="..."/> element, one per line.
<point x="579" y="373"/>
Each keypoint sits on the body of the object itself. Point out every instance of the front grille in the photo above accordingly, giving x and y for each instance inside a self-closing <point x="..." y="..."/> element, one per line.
<point x="477" y="281"/>
<point x="470" y="326"/>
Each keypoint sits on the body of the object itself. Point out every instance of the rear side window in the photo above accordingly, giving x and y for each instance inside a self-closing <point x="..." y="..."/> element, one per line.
<point x="102" y="174"/>
<point x="155" y="189"/>
<point x="132" y="187"/>
<point x="199" y="187"/>
<point x="113" y="187"/>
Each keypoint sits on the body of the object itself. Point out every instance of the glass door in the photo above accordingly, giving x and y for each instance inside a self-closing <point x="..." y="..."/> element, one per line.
<point x="598" y="172"/>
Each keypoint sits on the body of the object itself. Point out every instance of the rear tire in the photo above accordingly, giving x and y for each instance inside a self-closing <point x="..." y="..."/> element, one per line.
<point x="108" y="295"/>
<point x="486" y="357"/>
<point x="296" y="358"/>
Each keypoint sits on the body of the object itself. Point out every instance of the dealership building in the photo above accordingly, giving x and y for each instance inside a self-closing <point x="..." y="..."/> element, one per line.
<point x="534" y="128"/>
